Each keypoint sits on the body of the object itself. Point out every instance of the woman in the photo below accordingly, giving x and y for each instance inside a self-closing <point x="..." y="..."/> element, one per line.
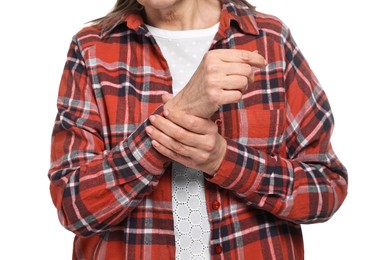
<point x="191" y="129"/>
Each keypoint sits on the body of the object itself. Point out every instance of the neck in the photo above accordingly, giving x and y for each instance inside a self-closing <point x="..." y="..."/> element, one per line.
<point x="185" y="15"/>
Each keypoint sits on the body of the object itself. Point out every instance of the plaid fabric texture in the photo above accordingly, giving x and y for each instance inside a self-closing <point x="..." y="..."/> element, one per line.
<point x="113" y="190"/>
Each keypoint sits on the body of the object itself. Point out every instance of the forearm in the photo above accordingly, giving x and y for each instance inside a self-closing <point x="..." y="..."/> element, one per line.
<point x="302" y="190"/>
<point x="97" y="191"/>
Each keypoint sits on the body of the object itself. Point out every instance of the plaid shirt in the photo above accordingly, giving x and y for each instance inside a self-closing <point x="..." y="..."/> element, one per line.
<point x="113" y="189"/>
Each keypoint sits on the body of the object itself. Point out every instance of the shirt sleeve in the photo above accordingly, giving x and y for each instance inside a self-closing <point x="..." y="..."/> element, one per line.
<point x="307" y="185"/>
<point x="91" y="187"/>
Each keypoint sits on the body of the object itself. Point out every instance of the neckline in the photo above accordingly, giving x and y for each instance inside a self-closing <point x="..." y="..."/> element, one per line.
<point x="180" y="34"/>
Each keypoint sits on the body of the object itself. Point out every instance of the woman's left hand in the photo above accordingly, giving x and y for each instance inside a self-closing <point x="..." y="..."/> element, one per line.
<point x="190" y="140"/>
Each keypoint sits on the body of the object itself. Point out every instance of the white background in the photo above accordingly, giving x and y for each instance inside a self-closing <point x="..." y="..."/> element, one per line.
<point x="346" y="44"/>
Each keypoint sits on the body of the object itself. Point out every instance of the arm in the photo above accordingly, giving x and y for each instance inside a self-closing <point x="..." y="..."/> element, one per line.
<point x="304" y="188"/>
<point x="93" y="188"/>
<point x="307" y="185"/>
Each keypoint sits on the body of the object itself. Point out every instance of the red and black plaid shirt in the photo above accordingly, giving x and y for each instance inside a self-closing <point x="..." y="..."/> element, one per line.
<point x="113" y="189"/>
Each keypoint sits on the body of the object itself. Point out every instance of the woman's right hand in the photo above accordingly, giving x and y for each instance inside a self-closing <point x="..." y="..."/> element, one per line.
<point x="221" y="78"/>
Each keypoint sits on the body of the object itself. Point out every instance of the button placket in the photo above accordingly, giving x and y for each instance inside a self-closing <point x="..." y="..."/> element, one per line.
<point x="214" y="206"/>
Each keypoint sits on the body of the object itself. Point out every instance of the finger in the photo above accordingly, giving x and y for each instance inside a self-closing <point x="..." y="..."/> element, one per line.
<point x="173" y="155"/>
<point x="197" y="125"/>
<point x="175" y="132"/>
<point x="230" y="96"/>
<point x="166" y="152"/>
<point x="242" y="56"/>
<point x="170" y="143"/>
<point x="235" y="82"/>
<point x="240" y="69"/>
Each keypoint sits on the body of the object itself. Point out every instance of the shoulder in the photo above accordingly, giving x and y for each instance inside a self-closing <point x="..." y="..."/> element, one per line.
<point x="87" y="36"/>
<point x="271" y="24"/>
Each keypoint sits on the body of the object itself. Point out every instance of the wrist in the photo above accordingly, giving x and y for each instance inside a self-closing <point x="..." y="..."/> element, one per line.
<point x="220" y="158"/>
<point x="175" y="103"/>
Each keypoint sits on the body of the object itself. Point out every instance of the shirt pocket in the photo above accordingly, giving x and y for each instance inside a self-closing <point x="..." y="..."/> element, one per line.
<point x="258" y="128"/>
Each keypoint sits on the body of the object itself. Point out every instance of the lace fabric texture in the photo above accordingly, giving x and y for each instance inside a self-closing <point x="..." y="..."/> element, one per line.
<point x="192" y="227"/>
<point x="184" y="50"/>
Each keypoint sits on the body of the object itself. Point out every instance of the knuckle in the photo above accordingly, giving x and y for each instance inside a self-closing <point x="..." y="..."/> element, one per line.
<point x="204" y="157"/>
<point x="209" y="145"/>
<point x="211" y="68"/>
<point x="213" y="96"/>
<point x="237" y="96"/>
<point x="247" y="69"/>
<point x="177" y="147"/>
<point x="180" y="135"/>
<point x="192" y="123"/>
<point x="243" y="81"/>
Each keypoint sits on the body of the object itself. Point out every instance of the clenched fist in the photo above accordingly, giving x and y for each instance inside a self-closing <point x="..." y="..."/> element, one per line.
<point x="221" y="78"/>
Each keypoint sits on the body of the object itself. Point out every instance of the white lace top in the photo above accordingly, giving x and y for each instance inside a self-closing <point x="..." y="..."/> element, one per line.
<point x="184" y="51"/>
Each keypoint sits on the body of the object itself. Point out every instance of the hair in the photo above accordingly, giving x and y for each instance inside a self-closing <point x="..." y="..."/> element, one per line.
<point x="123" y="8"/>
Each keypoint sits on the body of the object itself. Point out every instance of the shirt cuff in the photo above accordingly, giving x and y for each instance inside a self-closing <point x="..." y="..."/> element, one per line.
<point x="240" y="170"/>
<point x="139" y="146"/>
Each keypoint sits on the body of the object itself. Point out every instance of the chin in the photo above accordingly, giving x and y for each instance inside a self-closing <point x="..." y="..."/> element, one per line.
<point x="159" y="4"/>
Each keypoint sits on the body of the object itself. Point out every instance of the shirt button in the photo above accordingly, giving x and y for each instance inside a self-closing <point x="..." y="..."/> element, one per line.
<point x="218" y="249"/>
<point x="215" y="205"/>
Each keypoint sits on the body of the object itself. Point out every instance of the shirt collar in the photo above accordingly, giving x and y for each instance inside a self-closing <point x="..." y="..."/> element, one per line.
<point x="243" y="15"/>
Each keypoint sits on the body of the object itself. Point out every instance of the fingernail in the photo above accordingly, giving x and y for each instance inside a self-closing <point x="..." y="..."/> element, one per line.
<point x="149" y="130"/>
<point x="152" y="118"/>
<point x="155" y="144"/>
<point x="166" y="113"/>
